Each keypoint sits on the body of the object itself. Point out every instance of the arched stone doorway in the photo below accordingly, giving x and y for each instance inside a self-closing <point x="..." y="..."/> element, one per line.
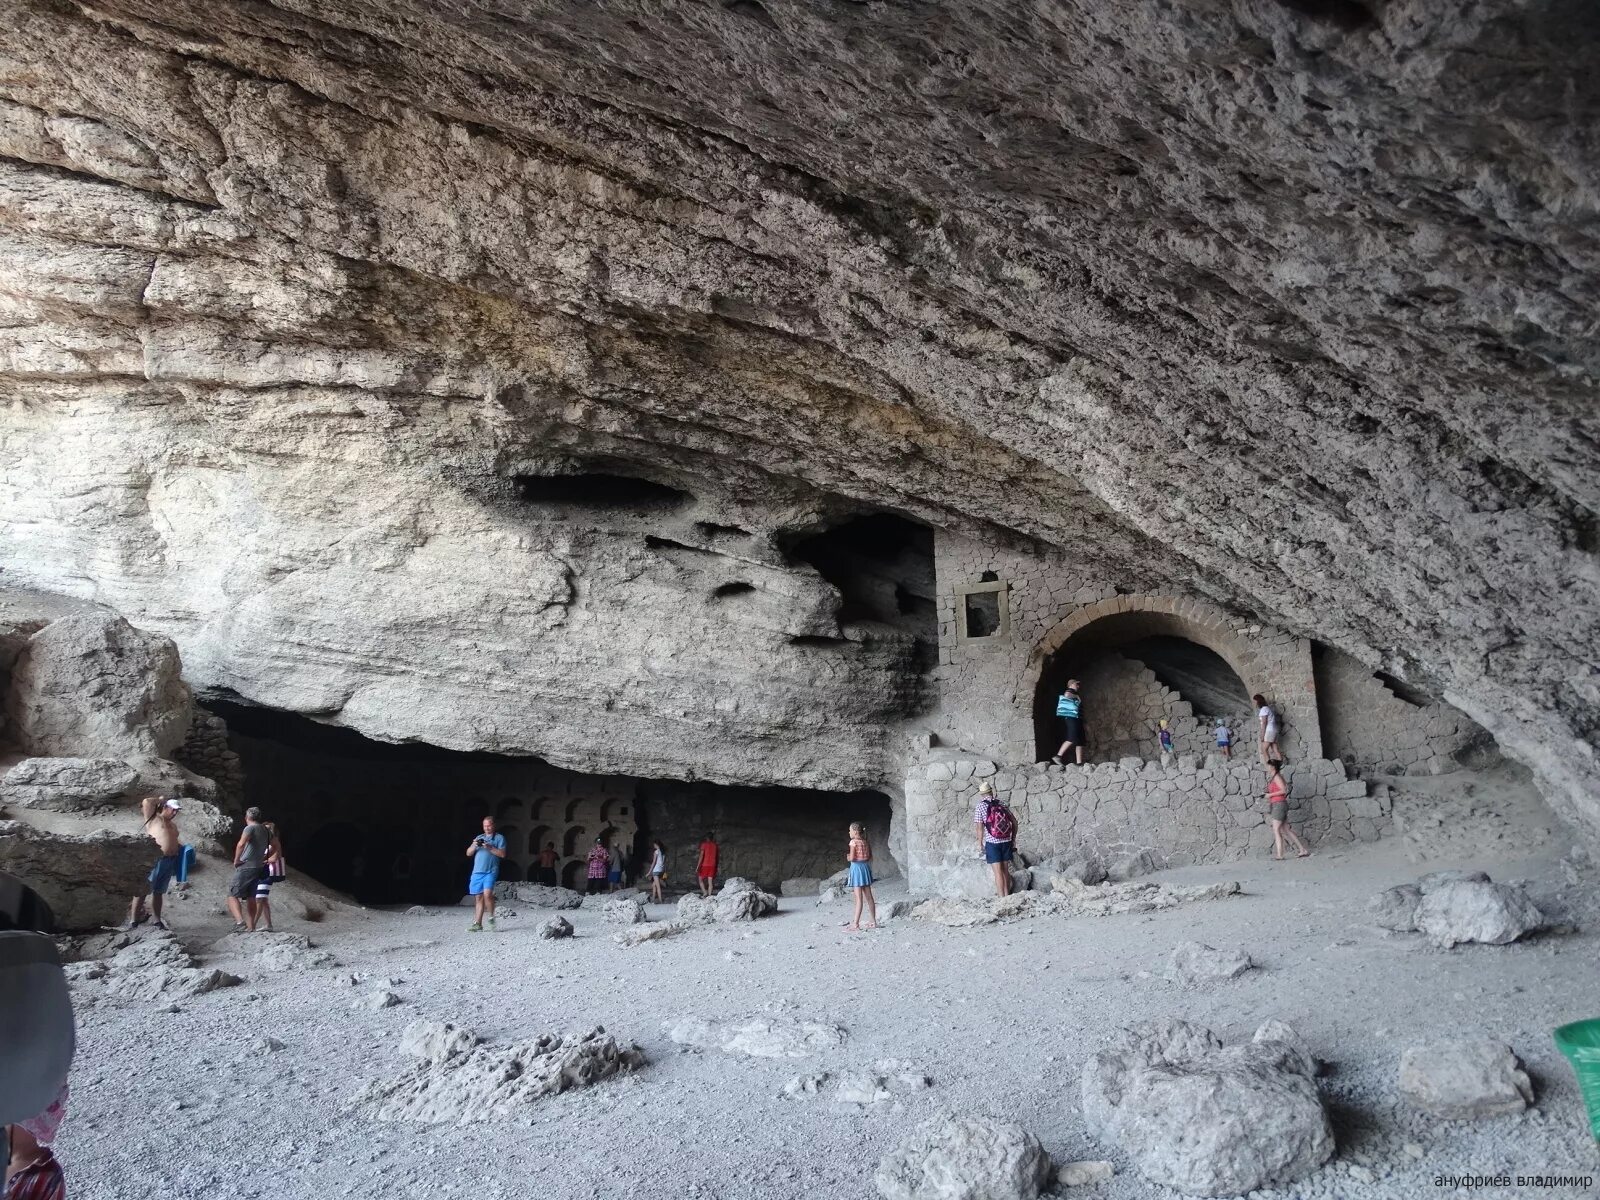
<point x="1142" y="658"/>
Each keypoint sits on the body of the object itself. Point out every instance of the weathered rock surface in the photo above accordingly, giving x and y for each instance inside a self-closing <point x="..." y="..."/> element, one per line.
<point x="1476" y="911"/>
<point x="461" y="1081"/>
<point x="758" y="1037"/>
<point x="624" y="909"/>
<point x="278" y="951"/>
<point x="800" y="887"/>
<point x="67" y="784"/>
<point x="90" y="685"/>
<point x="739" y="900"/>
<point x="154" y="966"/>
<point x="1204" y="1118"/>
<point x="299" y="369"/>
<point x="1196" y="963"/>
<point x="964" y="1158"/>
<point x="537" y="895"/>
<point x="556" y="927"/>
<point x="1465" y="1078"/>
<point x="639" y="934"/>
<point x="1396" y="908"/>
<point x="1102" y="900"/>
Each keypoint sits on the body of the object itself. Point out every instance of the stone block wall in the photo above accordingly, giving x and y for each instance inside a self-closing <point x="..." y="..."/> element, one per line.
<point x="987" y="685"/>
<point x="1377" y="733"/>
<point x="1197" y="809"/>
<point x="205" y="751"/>
<point x="1129" y="704"/>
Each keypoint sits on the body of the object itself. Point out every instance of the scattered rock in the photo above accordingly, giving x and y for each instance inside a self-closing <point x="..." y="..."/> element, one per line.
<point x="1130" y="866"/>
<point x="556" y="927"/>
<point x="1476" y="911"/>
<point x="539" y="895"/>
<point x="1074" y="899"/>
<point x="887" y="1077"/>
<point x="1465" y="1078"/>
<point x="1203" y="1118"/>
<point x="964" y="1158"/>
<point x="1084" y="1171"/>
<point x="739" y="900"/>
<point x="1396" y="908"/>
<point x="436" y="1041"/>
<point x="648" y="933"/>
<point x="860" y="1087"/>
<point x="956" y="914"/>
<point x="378" y="1000"/>
<point x="497" y="1083"/>
<point x="416" y="910"/>
<point x="896" y="909"/>
<point x="624" y="910"/>
<point x="802" y="1086"/>
<point x="758" y="1037"/>
<point x="803" y="886"/>
<point x="268" y="1045"/>
<point x="277" y="951"/>
<point x="1067" y="871"/>
<point x="156" y="967"/>
<point x="1287" y="1036"/>
<point x="1195" y="962"/>
<point x="830" y="894"/>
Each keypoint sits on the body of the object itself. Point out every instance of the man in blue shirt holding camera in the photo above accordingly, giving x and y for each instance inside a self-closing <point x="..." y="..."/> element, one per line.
<point x="486" y="850"/>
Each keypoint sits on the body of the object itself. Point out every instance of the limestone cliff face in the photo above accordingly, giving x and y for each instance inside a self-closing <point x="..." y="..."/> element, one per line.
<point x="304" y="306"/>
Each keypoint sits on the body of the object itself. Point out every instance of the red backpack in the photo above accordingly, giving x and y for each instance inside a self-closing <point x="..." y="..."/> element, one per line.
<point x="999" y="822"/>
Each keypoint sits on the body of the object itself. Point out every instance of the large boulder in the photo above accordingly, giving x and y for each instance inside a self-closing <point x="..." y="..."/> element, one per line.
<point x="87" y="879"/>
<point x="739" y="900"/>
<point x="90" y="685"/>
<point x="1396" y="908"/>
<point x="1195" y="962"/>
<point x="68" y="784"/>
<point x="152" y="967"/>
<point x="623" y="909"/>
<point x="1204" y="1118"/>
<point x="1476" y="910"/>
<point x="964" y="1158"/>
<point x="1465" y="1078"/>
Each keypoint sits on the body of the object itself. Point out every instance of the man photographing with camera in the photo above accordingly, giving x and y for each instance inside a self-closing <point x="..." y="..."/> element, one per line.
<point x="486" y="850"/>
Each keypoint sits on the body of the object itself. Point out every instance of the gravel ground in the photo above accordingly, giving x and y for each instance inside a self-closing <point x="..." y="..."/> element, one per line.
<point x="1001" y="1017"/>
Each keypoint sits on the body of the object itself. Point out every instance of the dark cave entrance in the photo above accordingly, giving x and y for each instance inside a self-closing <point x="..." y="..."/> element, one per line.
<point x="882" y="566"/>
<point x="1137" y="668"/>
<point x="389" y="824"/>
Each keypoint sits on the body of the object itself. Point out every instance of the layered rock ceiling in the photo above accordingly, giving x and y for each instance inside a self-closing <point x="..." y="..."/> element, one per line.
<point x="308" y="308"/>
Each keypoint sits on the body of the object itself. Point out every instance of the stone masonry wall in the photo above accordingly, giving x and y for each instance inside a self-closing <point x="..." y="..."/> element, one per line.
<point x="1129" y="703"/>
<point x="1196" y="810"/>
<point x="987" y="686"/>
<point x="205" y="751"/>
<point x="1376" y="732"/>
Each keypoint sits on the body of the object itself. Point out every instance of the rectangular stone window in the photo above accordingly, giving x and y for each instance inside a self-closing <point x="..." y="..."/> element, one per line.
<point x="982" y="611"/>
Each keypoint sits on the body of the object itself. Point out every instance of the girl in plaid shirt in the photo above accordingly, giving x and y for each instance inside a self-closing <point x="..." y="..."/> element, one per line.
<point x="859" y="856"/>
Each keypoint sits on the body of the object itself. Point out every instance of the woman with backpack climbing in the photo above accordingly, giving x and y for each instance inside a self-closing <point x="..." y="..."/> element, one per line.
<point x="997" y="835"/>
<point x="1069" y="708"/>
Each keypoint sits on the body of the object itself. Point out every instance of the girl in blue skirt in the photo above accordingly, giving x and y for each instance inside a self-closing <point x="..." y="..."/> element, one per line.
<point x="860" y="856"/>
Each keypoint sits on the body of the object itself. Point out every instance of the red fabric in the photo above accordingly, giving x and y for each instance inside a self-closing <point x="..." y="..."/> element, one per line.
<point x="1277" y="790"/>
<point x="708" y="860"/>
<point x="40" y="1180"/>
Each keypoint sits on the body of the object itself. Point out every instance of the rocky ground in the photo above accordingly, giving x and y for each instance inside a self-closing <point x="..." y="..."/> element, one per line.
<point x="253" y="1089"/>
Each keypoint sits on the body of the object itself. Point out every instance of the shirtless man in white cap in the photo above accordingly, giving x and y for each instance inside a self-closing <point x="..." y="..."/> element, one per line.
<point x="161" y="823"/>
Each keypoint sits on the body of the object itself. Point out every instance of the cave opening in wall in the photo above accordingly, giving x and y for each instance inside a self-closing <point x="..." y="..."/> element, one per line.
<point x="1135" y="669"/>
<point x="390" y="824"/>
<point x="882" y="566"/>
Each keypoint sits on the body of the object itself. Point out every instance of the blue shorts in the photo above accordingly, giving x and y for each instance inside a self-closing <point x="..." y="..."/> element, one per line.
<point x="481" y="882"/>
<point x="994" y="852"/>
<point x="615" y="877"/>
<point x="163" y="873"/>
<point x="860" y="874"/>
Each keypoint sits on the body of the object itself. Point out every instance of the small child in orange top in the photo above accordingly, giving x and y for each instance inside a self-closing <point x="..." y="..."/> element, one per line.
<point x="860" y="858"/>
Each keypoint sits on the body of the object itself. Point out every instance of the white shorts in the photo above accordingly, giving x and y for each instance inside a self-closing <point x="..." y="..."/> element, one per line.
<point x="1271" y="734"/>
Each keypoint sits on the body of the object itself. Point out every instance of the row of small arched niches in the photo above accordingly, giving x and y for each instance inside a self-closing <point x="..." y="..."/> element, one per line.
<point x="573" y="843"/>
<point x="608" y="810"/>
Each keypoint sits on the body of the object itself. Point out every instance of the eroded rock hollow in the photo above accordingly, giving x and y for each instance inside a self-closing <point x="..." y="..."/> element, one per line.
<point x="595" y="382"/>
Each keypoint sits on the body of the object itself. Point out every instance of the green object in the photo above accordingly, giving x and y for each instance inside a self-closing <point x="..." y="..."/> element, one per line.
<point x="1580" y="1042"/>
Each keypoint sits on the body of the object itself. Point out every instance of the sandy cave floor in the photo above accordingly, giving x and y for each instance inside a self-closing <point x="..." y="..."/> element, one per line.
<point x="1001" y="1017"/>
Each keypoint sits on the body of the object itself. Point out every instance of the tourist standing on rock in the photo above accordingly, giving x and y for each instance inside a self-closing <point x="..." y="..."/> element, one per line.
<point x="1069" y="707"/>
<point x="486" y="850"/>
<point x="1224" y="738"/>
<point x="706" y="869"/>
<point x="1267" y="720"/>
<point x="658" y="871"/>
<point x="1278" y="811"/>
<point x="161" y="823"/>
<point x="599" y="867"/>
<point x="997" y="835"/>
<point x="1164" y="737"/>
<point x="256" y="845"/>
<point x="547" y="865"/>
<point x="859" y="856"/>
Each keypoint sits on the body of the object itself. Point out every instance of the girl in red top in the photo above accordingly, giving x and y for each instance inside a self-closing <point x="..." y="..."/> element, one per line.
<point x="706" y="869"/>
<point x="1278" y="811"/>
<point x="859" y="856"/>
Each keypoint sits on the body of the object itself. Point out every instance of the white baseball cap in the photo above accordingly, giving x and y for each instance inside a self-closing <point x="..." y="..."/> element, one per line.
<point x="172" y="803"/>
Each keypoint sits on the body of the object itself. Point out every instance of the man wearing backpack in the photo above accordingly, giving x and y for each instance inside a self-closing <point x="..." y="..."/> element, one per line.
<point x="997" y="834"/>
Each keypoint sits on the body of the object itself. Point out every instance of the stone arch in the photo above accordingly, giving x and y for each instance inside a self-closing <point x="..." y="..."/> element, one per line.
<point x="574" y="875"/>
<point x="1095" y="629"/>
<point x="508" y="808"/>
<point x="575" y="842"/>
<point x="612" y="808"/>
<point x="537" y="837"/>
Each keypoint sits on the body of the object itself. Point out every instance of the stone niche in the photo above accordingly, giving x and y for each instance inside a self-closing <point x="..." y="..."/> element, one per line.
<point x="389" y="824"/>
